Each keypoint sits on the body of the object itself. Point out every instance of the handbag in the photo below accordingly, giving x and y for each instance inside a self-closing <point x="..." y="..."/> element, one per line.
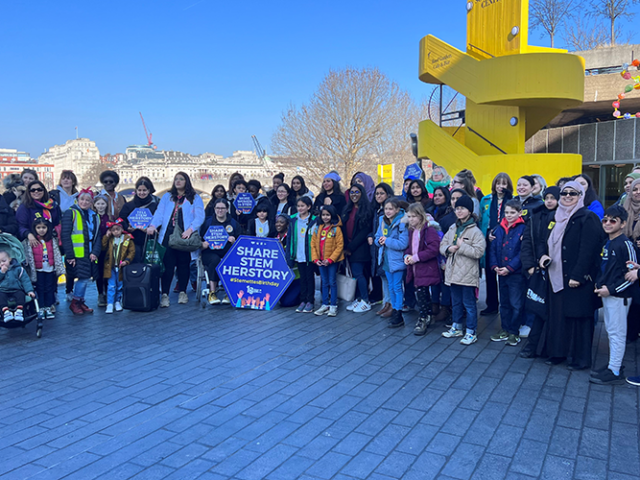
<point x="346" y="284"/>
<point x="154" y="253"/>
<point x="536" y="296"/>
<point x="191" y="244"/>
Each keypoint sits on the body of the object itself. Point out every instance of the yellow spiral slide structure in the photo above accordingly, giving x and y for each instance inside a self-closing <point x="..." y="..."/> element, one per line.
<point x="512" y="90"/>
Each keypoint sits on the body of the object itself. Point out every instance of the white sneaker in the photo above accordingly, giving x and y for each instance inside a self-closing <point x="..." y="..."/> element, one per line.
<point x="18" y="316"/>
<point x="49" y="313"/>
<point x="182" y="297"/>
<point x="109" y="308"/>
<point x="352" y="306"/>
<point x="524" y="331"/>
<point x="452" y="332"/>
<point x="8" y="316"/>
<point x="118" y="307"/>
<point x="322" y="310"/>
<point x="333" y="311"/>
<point x="164" y="301"/>
<point x="468" y="339"/>
<point x="362" y="307"/>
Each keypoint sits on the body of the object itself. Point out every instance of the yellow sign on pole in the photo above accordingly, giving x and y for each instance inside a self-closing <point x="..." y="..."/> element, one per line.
<point x="385" y="174"/>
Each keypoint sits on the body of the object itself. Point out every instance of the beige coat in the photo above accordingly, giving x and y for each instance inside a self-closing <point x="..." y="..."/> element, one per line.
<point x="463" y="267"/>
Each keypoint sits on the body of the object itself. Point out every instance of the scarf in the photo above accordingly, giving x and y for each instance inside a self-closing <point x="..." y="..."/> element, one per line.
<point x="632" y="228"/>
<point x="143" y="202"/>
<point x="46" y="208"/>
<point x="432" y="185"/>
<point x="563" y="215"/>
<point x="495" y="216"/>
<point x="460" y="227"/>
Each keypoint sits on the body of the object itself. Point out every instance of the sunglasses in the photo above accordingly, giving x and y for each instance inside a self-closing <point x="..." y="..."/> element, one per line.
<point x="612" y="221"/>
<point x="34" y="190"/>
<point x="570" y="194"/>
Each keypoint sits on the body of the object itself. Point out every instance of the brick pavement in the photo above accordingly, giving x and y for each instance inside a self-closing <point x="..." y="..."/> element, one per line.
<point x="185" y="393"/>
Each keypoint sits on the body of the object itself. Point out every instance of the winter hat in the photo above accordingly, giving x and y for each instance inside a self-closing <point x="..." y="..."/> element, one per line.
<point x="333" y="175"/>
<point x="466" y="202"/>
<point x="553" y="190"/>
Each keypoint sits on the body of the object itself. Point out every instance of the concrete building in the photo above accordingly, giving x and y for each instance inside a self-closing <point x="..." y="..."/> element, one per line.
<point x="14" y="161"/>
<point x="79" y="155"/>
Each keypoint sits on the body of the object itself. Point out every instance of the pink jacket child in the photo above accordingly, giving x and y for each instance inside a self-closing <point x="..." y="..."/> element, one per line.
<point x="424" y="248"/>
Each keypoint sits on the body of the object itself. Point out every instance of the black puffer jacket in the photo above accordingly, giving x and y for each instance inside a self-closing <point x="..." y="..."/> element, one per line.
<point x="84" y="267"/>
<point x="8" y="223"/>
<point x="358" y="244"/>
<point x="535" y="237"/>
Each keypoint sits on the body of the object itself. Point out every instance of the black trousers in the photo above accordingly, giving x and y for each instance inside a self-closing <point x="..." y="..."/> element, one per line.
<point x="210" y="260"/>
<point x="307" y="282"/>
<point x="424" y="301"/>
<point x="491" y="281"/>
<point x="101" y="284"/>
<point x="46" y="285"/>
<point x="175" y="259"/>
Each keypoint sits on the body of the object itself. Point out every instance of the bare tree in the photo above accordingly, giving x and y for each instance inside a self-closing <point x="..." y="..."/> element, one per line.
<point x="355" y="120"/>
<point x="550" y="15"/>
<point x="612" y="11"/>
<point x="91" y="176"/>
<point x="581" y="35"/>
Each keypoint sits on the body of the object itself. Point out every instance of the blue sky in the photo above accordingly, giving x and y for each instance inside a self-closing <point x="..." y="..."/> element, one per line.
<point x="206" y="74"/>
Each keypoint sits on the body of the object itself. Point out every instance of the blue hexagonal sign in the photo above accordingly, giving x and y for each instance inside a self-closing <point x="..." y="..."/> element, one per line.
<point x="254" y="273"/>
<point x="244" y="203"/>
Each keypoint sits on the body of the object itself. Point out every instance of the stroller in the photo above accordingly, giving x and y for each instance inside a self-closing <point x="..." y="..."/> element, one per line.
<point x="31" y="311"/>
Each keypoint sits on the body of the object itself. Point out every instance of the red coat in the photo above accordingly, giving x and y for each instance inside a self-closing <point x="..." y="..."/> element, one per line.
<point x="426" y="272"/>
<point x="37" y="255"/>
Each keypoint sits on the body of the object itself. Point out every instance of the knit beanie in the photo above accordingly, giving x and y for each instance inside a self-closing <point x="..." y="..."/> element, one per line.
<point x="466" y="202"/>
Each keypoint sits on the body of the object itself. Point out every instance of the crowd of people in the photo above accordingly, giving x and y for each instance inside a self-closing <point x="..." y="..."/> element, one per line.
<point x="551" y="255"/>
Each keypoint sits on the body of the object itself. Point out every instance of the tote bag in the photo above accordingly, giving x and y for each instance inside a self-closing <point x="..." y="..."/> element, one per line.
<point x="346" y="284"/>
<point x="536" y="297"/>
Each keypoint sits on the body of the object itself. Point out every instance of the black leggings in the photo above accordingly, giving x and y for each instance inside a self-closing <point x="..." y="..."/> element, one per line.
<point x="307" y="282"/>
<point x="175" y="258"/>
<point x="424" y="301"/>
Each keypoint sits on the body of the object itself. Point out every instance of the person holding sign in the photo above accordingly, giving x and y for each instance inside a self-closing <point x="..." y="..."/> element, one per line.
<point x="211" y="256"/>
<point x="143" y="198"/>
<point x="327" y="247"/>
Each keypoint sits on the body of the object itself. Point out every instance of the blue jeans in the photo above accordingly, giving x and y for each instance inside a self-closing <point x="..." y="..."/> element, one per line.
<point x="441" y="294"/>
<point x="358" y="272"/>
<point x="329" y="283"/>
<point x="512" y="290"/>
<point x="463" y="298"/>
<point x="114" y="288"/>
<point x="80" y="289"/>
<point x="396" y="291"/>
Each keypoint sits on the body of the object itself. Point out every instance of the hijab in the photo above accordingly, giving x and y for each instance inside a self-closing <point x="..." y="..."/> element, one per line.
<point x="367" y="181"/>
<point x="563" y="215"/>
<point x="632" y="228"/>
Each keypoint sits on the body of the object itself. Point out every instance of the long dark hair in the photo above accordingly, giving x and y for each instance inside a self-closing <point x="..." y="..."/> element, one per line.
<point x="590" y="195"/>
<point x="49" y="235"/>
<point x="336" y="187"/>
<point x="439" y="211"/>
<point x="235" y="176"/>
<point x="424" y="193"/>
<point x="213" y="191"/>
<point x="334" y="215"/>
<point x="303" y="186"/>
<point x="388" y="190"/>
<point x="189" y="191"/>
<point x="364" y="213"/>
<point x="147" y="183"/>
<point x="28" y="201"/>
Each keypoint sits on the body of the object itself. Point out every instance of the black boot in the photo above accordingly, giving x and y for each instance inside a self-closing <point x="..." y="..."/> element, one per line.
<point x="421" y="326"/>
<point x="396" y="320"/>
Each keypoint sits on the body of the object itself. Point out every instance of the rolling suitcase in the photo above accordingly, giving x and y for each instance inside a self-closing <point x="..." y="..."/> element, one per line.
<point x="141" y="284"/>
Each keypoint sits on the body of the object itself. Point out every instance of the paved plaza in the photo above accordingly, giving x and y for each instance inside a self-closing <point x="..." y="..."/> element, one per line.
<point x="186" y="393"/>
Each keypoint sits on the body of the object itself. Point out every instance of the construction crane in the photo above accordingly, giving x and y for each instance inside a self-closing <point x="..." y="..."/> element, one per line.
<point x="259" y="150"/>
<point x="147" y="134"/>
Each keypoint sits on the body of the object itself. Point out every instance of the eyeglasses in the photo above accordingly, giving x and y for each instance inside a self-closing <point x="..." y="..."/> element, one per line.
<point x="34" y="190"/>
<point x="612" y="221"/>
<point x="355" y="192"/>
<point x="570" y="194"/>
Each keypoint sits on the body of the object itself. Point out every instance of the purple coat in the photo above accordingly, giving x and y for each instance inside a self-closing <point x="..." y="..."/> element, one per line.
<point x="427" y="272"/>
<point x="26" y="215"/>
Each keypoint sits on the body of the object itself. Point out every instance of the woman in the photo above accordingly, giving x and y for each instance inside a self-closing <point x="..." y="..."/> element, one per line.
<point x="26" y="177"/>
<point x="82" y="243"/>
<point x="210" y="257"/>
<point x="540" y="184"/>
<point x="631" y="204"/>
<point x="8" y="223"/>
<point x="418" y="193"/>
<point x="357" y="219"/>
<point x="530" y="203"/>
<point x="282" y="200"/>
<point x="591" y="196"/>
<point x="574" y="245"/>
<point x="299" y="188"/>
<point x="465" y="181"/>
<point x="365" y="181"/>
<point x="233" y="179"/>
<point x="439" y="178"/>
<point x="379" y="280"/>
<point x="218" y="192"/>
<point x="182" y="207"/>
<point x="110" y="180"/>
<point x="143" y="198"/>
<point x="441" y="203"/>
<point x="276" y="181"/>
<point x="491" y="214"/>
<point x="36" y="204"/>
<point x="331" y="193"/>
<point x="66" y="192"/>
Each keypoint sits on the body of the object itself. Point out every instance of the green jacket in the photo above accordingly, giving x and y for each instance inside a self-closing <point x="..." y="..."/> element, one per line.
<point x="293" y="237"/>
<point x="16" y="279"/>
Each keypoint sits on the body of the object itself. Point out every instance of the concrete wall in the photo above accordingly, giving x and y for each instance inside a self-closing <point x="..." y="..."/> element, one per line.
<point x="609" y="56"/>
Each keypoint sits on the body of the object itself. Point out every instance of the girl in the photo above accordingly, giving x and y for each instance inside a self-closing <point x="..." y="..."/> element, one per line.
<point x="441" y="203"/>
<point x="379" y="280"/>
<point x="180" y="206"/>
<point x="100" y="206"/>
<point x="405" y="187"/>
<point x="465" y="181"/>
<point x="211" y="258"/>
<point x="67" y="190"/>
<point x="233" y="180"/>
<point x="262" y="226"/>
<point x="357" y="220"/>
<point x="463" y="245"/>
<point x="299" y="188"/>
<point x="45" y="262"/>
<point x="393" y="238"/>
<point x="491" y="214"/>
<point x="81" y="241"/>
<point x="218" y="192"/>
<point x="421" y="259"/>
<point x="240" y="186"/>
<point x="418" y="193"/>
<point x="282" y="200"/>
<point x="119" y="251"/>
<point x="300" y="230"/>
<point x="527" y="199"/>
<point x="143" y="198"/>
<point x="591" y="196"/>
<point x="331" y="193"/>
<point x="327" y="247"/>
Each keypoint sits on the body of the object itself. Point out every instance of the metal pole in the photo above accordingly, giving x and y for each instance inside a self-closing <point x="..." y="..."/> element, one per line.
<point x="440" y="115"/>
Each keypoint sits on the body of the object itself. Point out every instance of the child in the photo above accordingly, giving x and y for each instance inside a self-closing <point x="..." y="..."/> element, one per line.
<point x="615" y="292"/>
<point x="504" y="260"/>
<point x="119" y="251"/>
<point x="300" y="252"/>
<point x="393" y="238"/>
<point x="13" y="279"/>
<point x="262" y="226"/>
<point x="463" y="245"/>
<point x="327" y="244"/>
<point x="421" y="258"/>
<point x="45" y="262"/>
<point x="100" y="206"/>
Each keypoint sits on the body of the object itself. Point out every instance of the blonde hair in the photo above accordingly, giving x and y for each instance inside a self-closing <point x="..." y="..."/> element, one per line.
<point x="418" y="210"/>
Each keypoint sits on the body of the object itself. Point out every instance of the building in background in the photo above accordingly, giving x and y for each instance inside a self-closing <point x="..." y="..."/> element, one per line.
<point x="80" y="155"/>
<point x="14" y="161"/>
